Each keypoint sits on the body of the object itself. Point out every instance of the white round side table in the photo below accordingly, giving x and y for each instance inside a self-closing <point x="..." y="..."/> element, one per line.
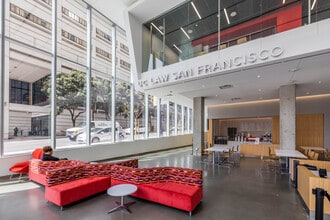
<point x="122" y="190"/>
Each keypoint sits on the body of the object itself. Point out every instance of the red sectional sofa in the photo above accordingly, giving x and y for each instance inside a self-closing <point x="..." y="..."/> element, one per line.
<point x="38" y="168"/>
<point x="172" y="186"/>
<point x="66" y="185"/>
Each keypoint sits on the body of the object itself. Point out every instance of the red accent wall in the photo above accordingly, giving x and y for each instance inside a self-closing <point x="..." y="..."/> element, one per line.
<point x="284" y="19"/>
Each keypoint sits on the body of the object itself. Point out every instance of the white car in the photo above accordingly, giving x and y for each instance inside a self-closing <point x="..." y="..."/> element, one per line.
<point x="98" y="135"/>
<point x="72" y="133"/>
<point x="141" y="130"/>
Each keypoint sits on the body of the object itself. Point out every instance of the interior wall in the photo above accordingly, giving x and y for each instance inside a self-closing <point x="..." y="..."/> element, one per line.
<point x="308" y="105"/>
<point x="253" y="126"/>
<point x="103" y="152"/>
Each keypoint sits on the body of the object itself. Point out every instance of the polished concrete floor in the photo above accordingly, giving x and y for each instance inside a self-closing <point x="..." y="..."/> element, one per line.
<point x="246" y="192"/>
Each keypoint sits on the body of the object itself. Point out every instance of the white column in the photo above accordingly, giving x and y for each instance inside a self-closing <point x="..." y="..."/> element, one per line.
<point x="288" y="117"/>
<point x="198" y="129"/>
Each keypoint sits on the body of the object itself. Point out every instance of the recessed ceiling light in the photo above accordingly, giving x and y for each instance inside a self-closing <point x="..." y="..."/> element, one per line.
<point x="259" y="90"/>
<point x="307" y="93"/>
<point x="161" y="27"/>
<point x="185" y="33"/>
<point x="233" y="14"/>
<point x="226" y="14"/>
<point x="258" y="76"/>
<point x="320" y="82"/>
<point x="176" y="47"/>
<point x="196" y="25"/>
<point x="189" y="31"/>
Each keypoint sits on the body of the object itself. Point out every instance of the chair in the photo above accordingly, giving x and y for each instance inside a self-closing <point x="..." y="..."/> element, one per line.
<point x="236" y="156"/>
<point x="272" y="154"/>
<point x="311" y="154"/>
<point x="22" y="168"/>
<point x="205" y="156"/>
<point x="315" y="156"/>
<point x="326" y="154"/>
<point x="271" y="161"/>
<point x="225" y="159"/>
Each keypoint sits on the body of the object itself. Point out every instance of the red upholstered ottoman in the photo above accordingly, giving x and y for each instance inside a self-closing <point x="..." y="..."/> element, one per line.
<point x="175" y="195"/>
<point x="177" y="187"/>
<point x="66" y="193"/>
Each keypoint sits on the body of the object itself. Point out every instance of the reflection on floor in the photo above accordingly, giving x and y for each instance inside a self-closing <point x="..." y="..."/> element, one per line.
<point x="242" y="192"/>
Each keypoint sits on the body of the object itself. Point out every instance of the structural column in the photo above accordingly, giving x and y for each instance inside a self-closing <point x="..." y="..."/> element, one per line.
<point x="288" y="117"/>
<point x="198" y="129"/>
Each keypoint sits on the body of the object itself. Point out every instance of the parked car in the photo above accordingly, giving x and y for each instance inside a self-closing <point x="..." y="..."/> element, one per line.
<point x="72" y="133"/>
<point x="140" y="130"/>
<point x="99" y="135"/>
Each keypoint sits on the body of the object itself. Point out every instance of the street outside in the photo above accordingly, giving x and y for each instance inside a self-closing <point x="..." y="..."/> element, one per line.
<point x="19" y="145"/>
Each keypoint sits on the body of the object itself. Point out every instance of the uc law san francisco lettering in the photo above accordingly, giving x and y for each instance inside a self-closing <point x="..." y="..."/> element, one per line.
<point x="215" y="67"/>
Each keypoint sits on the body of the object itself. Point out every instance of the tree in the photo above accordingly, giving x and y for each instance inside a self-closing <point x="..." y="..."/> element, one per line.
<point x="123" y="99"/>
<point x="70" y="93"/>
<point x="102" y="91"/>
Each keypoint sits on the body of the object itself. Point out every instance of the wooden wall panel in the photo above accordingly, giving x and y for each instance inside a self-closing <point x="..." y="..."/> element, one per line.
<point x="276" y="129"/>
<point x="210" y="133"/>
<point x="309" y="130"/>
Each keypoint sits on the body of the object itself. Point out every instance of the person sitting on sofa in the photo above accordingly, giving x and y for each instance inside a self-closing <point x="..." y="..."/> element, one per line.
<point x="47" y="154"/>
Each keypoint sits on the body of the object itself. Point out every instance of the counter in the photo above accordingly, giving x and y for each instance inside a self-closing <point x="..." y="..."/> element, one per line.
<point x="260" y="150"/>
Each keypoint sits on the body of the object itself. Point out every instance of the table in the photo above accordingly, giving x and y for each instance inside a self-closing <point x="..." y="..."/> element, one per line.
<point x="217" y="148"/>
<point x="313" y="148"/>
<point x="288" y="154"/>
<point x="122" y="190"/>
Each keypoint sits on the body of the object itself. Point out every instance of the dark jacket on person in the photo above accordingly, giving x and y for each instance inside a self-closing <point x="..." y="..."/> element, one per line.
<point x="46" y="157"/>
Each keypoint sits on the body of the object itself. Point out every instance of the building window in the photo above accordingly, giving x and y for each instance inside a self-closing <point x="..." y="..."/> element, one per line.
<point x="125" y="65"/>
<point x="73" y="38"/>
<point x="124" y="48"/>
<point x="103" y="53"/>
<point x="103" y="35"/>
<point x="73" y="16"/>
<point x="27" y="15"/>
<point x="39" y="97"/>
<point x="19" y="92"/>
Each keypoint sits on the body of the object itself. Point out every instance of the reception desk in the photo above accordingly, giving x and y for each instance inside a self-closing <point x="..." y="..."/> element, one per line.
<point x="307" y="181"/>
<point x="260" y="150"/>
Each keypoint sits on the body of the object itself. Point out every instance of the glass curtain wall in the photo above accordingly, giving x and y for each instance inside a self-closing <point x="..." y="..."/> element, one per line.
<point x="27" y="108"/>
<point x="71" y="78"/>
<point x="163" y="118"/>
<point x="139" y="115"/>
<point x="101" y="81"/>
<point x="190" y="121"/>
<point x="123" y="88"/>
<point x="27" y="67"/>
<point x="198" y="27"/>
<point x="123" y="107"/>
<point x="185" y="120"/>
<point x="152" y="115"/>
<point x="171" y="118"/>
<point x="179" y="119"/>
